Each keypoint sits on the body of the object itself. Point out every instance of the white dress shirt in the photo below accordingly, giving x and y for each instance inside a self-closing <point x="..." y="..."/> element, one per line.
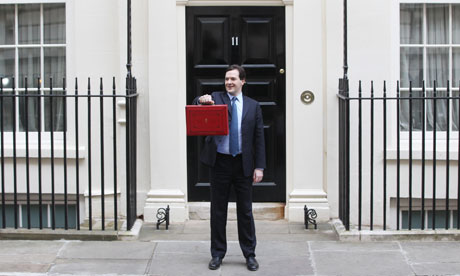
<point x="223" y="145"/>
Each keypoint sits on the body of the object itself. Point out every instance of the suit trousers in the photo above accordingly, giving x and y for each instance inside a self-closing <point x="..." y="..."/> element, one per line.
<point x="228" y="172"/>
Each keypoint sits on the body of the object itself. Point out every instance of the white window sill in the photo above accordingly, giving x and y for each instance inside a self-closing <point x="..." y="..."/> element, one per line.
<point x="95" y="193"/>
<point x="417" y="154"/>
<point x="45" y="151"/>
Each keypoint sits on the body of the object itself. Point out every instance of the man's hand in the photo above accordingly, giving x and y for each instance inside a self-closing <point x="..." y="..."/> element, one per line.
<point x="206" y="99"/>
<point x="258" y="175"/>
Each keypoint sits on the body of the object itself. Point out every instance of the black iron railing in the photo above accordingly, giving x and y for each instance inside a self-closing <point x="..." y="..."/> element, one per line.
<point x="412" y="201"/>
<point x="56" y="201"/>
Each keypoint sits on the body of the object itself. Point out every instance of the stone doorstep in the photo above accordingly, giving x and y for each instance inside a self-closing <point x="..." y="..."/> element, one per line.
<point x="393" y="235"/>
<point x="60" y="234"/>
<point x="261" y="211"/>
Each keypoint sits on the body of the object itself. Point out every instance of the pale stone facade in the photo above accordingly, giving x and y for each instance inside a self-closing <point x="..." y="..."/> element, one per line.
<point x="96" y="47"/>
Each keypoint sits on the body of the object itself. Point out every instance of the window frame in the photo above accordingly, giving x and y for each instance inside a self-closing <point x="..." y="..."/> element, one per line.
<point x="33" y="135"/>
<point x="396" y="52"/>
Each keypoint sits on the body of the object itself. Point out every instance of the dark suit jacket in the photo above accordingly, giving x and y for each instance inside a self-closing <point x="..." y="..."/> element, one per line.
<point x="252" y="135"/>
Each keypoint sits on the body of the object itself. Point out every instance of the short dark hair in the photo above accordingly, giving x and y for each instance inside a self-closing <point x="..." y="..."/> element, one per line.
<point x="242" y="73"/>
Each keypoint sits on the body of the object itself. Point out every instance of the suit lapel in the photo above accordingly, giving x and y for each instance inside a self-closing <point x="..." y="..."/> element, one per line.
<point x="245" y="108"/>
<point x="226" y="100"/>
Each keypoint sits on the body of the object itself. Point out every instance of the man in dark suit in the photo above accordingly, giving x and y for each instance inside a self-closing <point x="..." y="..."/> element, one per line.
<point x="237" y="160"/>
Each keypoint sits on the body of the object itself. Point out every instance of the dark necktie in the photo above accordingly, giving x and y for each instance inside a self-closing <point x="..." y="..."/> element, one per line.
<point x="233" y="143"/>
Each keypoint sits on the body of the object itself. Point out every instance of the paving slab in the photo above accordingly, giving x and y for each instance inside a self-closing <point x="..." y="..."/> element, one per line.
<point x="282" y="249"/>
<point x="28" y="258"/>
<point x="172" y="228"/>
<point x="294" y="237"/>
<point x="271" y="227"/>
<point x="268" y="266"/>
<point x="360" y="263"/>
<point x="196" y="227"/>
<point x="437" y="269"/>
<point x="233" y="249"/>
<point x="107" y="250"/>
<point x="199" y="230"/>
<point x="23" y="267"/>
<point x="427" y="252"/>
<point x="354" y="246"/>
<point x="181" y="264"/>
<point x="101" y="266"/>
<point x="194" y="247"/>
<point x="174" y="237"/>
<point x="183" y="247"/>
<point x="8" y="247"/>
<point x="203" y="226"/>
<point x="299" y="228"/>
<point x="176" y="231"/>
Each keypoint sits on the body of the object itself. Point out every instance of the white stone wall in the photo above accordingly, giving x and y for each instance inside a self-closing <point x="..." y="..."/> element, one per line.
<point x="96" y="48"/>
<point x="96" y="35"/>
<point x="373" y="37"/>
<point x="100" y="35"/>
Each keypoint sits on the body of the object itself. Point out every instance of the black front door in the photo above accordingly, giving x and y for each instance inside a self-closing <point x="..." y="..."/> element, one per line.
<point x="253" y="37"/>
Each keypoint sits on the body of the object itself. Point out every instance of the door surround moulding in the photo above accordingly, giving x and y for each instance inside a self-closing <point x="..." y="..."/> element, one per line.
<point x="181" y="57"/>
<point x="234" y="2"/>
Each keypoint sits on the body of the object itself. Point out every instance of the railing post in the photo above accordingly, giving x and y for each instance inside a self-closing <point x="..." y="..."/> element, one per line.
<point x="130" y="131"/>
<point x="128" y="155"/>
<point x="2" y="153"/>
<point x="344" y="153"/>
<point x="131" y="137"/>
<point x="344" y="131"/>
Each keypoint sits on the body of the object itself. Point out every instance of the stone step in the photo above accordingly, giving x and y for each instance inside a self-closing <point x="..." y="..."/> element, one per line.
<point x="261" y="211"/>
<point x="109" y="224"/>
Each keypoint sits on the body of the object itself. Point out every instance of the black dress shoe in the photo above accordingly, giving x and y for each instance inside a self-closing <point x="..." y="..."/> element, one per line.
<point x="215" y="263"/>
<point x="252" y="263"/>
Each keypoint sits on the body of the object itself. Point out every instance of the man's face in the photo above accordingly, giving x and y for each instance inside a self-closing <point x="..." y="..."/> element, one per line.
<point x="233" y="83"/>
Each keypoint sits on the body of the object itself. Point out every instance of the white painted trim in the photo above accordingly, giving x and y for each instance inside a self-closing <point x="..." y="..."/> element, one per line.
<point x="417" y="154"/>
<point x="32" y="45"/>
<point x="313" y="199"/>
<point x="307" y="193"/>
<point x="165" y="193"/>
<point x="289" y="24"/>
<point x="98" y="193"/>
<point x="182" y="88"/>
<point x="160" y="198"/>
<point x="234" y="2"/>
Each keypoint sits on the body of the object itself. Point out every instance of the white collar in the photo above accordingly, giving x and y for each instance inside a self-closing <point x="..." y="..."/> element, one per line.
<point x="239" y="97"/>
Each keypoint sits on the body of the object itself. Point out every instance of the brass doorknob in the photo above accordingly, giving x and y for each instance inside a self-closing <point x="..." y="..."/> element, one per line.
<point x="281" y="71"/>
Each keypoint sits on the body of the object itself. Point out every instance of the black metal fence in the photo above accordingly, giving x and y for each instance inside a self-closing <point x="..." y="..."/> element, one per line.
<point x="58" y="207"/>
<point x="413" y="113"/>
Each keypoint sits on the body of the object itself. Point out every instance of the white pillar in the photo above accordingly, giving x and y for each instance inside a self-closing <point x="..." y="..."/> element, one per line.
<point x="167" y="100"/>
<point x="305" y="123"/>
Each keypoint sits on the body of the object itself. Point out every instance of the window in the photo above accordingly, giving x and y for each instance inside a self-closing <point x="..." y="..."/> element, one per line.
<point x="430" y="51"/>
<point x="33" y="46"/>
<point x="440" y="219"/>
<point x="35" y="216"/>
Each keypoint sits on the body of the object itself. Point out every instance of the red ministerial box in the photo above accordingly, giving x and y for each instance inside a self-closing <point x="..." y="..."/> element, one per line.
<point x="207" y="120"/>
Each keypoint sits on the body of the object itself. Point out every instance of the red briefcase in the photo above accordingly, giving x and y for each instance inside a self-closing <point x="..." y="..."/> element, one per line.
<point x="207" y="120"/>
